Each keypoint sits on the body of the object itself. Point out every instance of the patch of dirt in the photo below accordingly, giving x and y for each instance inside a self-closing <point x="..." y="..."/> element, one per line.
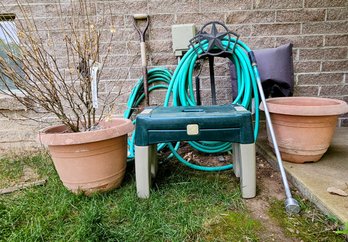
<point x="269" y="186"/>
<point x="29" y="174"/>
<point x="203" y="159"/>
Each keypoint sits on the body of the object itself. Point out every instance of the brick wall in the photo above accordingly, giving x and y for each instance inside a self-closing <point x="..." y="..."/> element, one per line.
<point x="317" y="28"/>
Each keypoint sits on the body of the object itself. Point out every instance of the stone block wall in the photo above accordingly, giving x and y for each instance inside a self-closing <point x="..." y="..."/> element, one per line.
<point x="318" y="30"/>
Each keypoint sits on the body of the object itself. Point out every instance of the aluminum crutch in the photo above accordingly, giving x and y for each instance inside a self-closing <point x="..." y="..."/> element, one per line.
<point x="291" y="205"/>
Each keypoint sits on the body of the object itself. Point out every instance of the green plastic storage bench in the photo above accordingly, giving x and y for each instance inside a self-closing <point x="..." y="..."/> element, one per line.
<point x="231" y="123"/>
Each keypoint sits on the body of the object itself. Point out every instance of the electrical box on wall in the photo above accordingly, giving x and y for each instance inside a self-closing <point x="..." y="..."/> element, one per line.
<point x="181" y="35"/>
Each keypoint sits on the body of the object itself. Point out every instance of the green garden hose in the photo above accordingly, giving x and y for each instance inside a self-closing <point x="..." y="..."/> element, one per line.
<point x="180" y="91"/>
<point x="158" y="78"/>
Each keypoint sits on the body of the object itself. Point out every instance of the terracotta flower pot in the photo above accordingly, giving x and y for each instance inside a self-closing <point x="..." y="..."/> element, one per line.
<point x="93" y="161"/>
<point x="304" y="126"/>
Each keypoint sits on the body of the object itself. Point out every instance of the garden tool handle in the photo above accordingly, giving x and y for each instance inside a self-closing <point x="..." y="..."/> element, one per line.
<point x="142" y="35"/>
<point x="143" y="50"/>
<point x="146" y="86"/>
<point x="141" y="32"/>
<point x="143" y="54"/>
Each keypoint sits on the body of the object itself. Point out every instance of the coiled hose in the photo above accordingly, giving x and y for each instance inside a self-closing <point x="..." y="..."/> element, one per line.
<point x="180" y="90"/>
<point x="158" y="78"/>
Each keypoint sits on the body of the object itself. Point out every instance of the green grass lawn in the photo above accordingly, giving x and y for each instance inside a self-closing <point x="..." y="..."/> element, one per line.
<point x="186" y="205"/>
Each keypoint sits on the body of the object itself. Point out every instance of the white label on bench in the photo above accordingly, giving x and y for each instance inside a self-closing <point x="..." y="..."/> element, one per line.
<point x="192" y="129"/>
<point x="146" y="111"/>
<point x="239" y="108"/>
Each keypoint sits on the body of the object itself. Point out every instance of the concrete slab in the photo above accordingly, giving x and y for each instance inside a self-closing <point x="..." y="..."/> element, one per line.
<point x="312" y="179"/>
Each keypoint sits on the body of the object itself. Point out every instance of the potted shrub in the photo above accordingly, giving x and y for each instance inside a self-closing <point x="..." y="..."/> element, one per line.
<point x="57" y="73"/>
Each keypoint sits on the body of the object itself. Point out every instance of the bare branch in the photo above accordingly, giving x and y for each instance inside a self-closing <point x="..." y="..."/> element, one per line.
<point x="53" y="73"/>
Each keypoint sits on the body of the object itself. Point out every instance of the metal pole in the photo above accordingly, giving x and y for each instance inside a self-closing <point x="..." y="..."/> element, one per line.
<point x="291" y="205"/>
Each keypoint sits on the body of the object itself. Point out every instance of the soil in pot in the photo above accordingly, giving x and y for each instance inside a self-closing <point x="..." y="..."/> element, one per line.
<point x="93" y="161"/>
<point x="304" y="126"/>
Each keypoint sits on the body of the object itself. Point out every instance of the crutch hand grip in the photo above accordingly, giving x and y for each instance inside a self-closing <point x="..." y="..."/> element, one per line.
<point x="252" y="58"/>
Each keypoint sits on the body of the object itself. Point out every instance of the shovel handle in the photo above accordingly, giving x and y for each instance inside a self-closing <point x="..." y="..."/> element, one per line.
<point x="143" y="31"/>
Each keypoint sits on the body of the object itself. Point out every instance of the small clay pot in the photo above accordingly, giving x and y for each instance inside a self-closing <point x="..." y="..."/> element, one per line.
<point x="92" y="161"/>
<point x="304" y="126"/>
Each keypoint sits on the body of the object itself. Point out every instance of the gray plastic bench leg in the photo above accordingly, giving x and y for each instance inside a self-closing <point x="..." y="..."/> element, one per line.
<point x="142" y="170"/>
<point x="153" y="160"/>
<point x="247" y="170"/>
<point x="236" y="159"/>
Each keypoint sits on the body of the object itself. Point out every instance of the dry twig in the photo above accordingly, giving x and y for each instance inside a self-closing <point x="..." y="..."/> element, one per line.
<point x="51" y="72"/>
<point x="22" y="186"/>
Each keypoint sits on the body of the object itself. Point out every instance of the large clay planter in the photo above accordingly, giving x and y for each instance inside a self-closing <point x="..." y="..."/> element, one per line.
<point x="93" y="161"/>
<point x="304" y="126"/>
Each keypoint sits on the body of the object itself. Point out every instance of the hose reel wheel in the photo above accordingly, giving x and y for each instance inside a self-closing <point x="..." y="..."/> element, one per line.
<point x="214" y="32"/>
